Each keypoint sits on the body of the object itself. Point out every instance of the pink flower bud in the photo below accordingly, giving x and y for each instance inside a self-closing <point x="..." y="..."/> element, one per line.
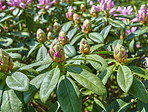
<point x="63" y="38"/>
<point x="56" y="51"/>
<point x="41" y="37"/>
<point x="86" y="26"/>
<point x="84" y="47"/>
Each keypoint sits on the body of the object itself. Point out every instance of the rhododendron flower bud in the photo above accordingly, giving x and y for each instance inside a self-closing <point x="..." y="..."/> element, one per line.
<point x="49" y="36"/>
<point x="76" y="19"/>
<point x="120" y="54"/>
<point x="94" y="11"/>
<point x="82" y="7"/>
<point x="56" y="51"/>
<point x="6" y="62"/>
<point x="49" y="28"/>
<point x="63" y="38"/>
<point x="41" y="37"/>
<point x="1" y="6"/>
<point x="127" y="32"/>
<point x="69" y="14"/>
<point x="68" y="1"/>
<point x="56" y="2"/>
<point x="84" y="47"/>
<point x="57" y="26"/>
<point x="86" y="26"/>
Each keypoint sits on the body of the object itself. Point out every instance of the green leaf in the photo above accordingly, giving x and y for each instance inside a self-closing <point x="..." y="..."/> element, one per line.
<point x="19" y="34"/>
<point x="5" y="41"/>
<point x="96" y="37"/>
<point x="49" y="83"/>
<point x="12" y="101"/>
<point x="15" y="55"/>
<point x="6" y="18"/>
<point x="88" y="80"/>
<point x="95" y="47"/>
<point x="18" y="81"/>
<point x="79" y="2"/>
<point x="98" y="106"/>
<point x="105" y="31"/>
<point x="118" y="104"/>
<point x="16" y="49"/>
<point x="66" y="26"/>
<point x="34" y="48"/>
<point x="117" y="23"/>
<point x="1" y="74"/>
<point x="1" y="91"/>
<point x="106" y="74"/>
<point x="44" y="62"/>
<point x="142" y="107"/>
<point x="138" y="90"/>
<point x="69" y="96"/>
<point x="69" y="50"/>
<point x="71" y="33"/>
<point x="34" y="86"/>
<point x="55" y="107"/>
<point x="42" y="53"/>
<point x="124" y="107"/>
<point x="100" y="63"/>
<point x="139" y="71"/>
<point x="29" y="21"/>
<point x="137" y="33"/>
<point x="131" y="46"/>
<point x="76" y="38"/>
<point x="124" y="78"/>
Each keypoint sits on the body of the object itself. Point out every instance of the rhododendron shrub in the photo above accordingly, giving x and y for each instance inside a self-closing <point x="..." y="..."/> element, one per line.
<point x="73" y="56"/>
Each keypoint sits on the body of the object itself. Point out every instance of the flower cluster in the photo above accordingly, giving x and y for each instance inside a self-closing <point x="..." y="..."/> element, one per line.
<point x="6" y="62"/>
<point x="142" y="14"/>
<point x="1" y="6"/>
<point x="76" y="19"/>
<point x="120" y="54"/>
<point x="69" y="14"/>
<point x="84" y="47"/>
<point x="94" y="11"/>
<point x="56" y="51"/>
<point x="127" y="32"/>
<point x="45" y="4"/>
<point x="18" y="3"/>
<point x="107" y="6"/>
<point x="63" y="38"/>
<point x="86" y="26"/>
<point x="125" y="11"/>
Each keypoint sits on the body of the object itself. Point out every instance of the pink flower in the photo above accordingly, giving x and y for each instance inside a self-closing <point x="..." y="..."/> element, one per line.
<point x="45" y="4"/>
<point x="138" y="45"/>
<point x="18" y="3"/>
<point x="91" y="2"/>
<point x="112" y="11"/>
<point x="1" y="6"/>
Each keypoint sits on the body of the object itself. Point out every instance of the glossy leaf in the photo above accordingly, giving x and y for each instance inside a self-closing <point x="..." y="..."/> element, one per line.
<point x="12" y="101"/>
<point x="105" y="31"/>
<point x="88" y="80"/>
<point x="96" y="37"/>
<point x="69" y="50"/>
<point x="42" y="53"/>
<point x="18" y="81"/>
<point x="71" y="33"/>
<point x="35" y="84"/>
<point x="69" y="96"/>
<point x="95" y="47"/>
<point x="49" y="83"/>
<point x="142" y="107"/>
<point x="138" y="90"/>
<point x="98" y="106"/>
<point x="54" y="107"/>
<point x="117" y="23"/>
<point x="100" y="63"/>
<point x="66" y="26"/>
<point x="1" y="91"/>
<point x="105" y="74"/>
<point x="124" y="78"/>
